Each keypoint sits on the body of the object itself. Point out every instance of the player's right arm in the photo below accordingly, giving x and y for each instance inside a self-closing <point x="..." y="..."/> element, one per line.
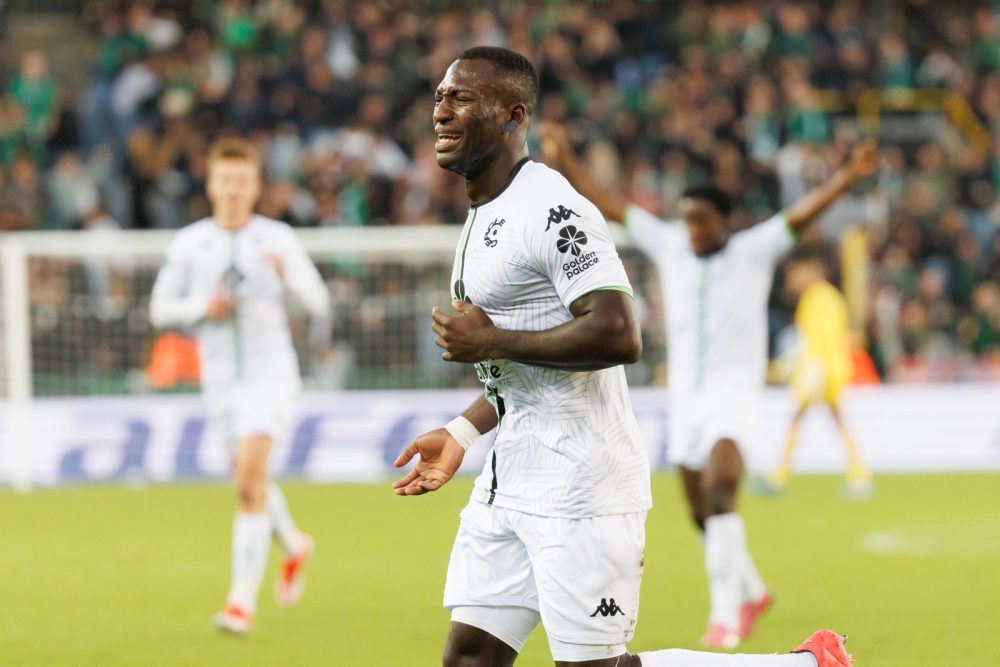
<point x="172" y="304"/>
<point x="557" y="151"/>
<point x="863" y="162"/>
<point x="441" y="455"/>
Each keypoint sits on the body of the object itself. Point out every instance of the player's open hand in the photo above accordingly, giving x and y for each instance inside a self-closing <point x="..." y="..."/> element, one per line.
<point x="467" y="336"/>
<point x="553" y="142"/>
<point x="440" y="457"/>
<point x="864" y="159"/>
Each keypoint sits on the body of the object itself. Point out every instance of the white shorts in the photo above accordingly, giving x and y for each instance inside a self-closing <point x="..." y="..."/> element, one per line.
<point x="579" y="577"/>
<point x="699" y="420"/>
<point x="251" y="410"/>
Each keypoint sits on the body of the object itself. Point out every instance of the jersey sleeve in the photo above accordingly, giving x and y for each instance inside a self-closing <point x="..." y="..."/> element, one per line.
<point x="577" y="254"/>
<point x="767" y="241"/>
<point x="302" y="278"/>
<point x="172" y="304"/>
<point x="644" y="228"/>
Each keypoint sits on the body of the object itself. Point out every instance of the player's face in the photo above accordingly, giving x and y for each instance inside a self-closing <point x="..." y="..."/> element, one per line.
<point x="233" y="187"/>
<point x="705" y="224"/>
<point x="466" y="118"/>
<point x="800" y="275"/>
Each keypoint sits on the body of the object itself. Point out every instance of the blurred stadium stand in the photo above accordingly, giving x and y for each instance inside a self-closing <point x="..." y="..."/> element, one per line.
<point x="107" y="108"/>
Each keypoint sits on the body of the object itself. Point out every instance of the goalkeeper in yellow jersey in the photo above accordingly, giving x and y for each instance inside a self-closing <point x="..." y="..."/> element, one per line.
<point x="822" y="368"/>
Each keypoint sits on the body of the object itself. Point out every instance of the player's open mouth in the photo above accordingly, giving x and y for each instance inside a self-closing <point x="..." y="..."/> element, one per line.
<point x="446" y="141"/>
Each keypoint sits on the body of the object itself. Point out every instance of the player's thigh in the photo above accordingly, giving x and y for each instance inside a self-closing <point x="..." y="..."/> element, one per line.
<point x="588" y="573"/>
<point x="833" y="392"/>
<point x="490" y="582"/>
<point x="730" y="432"/>
<point x="488" y="635"/>
<point x="692" y="485"/>
<point x="725" y="464"/>
<point x="250" y="460"/>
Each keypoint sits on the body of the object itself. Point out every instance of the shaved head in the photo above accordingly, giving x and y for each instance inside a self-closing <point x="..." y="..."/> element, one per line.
<point x="516" y="80"/>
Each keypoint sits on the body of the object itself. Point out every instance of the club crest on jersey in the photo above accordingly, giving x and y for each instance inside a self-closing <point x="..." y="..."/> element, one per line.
<point x="492" y="231"/>
<point x="560" y="215"/>
<point x="570" y="240"/>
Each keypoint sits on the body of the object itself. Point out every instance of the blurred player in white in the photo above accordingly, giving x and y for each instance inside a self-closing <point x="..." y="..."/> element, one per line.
<point x="555" y="529"/>
<point x="716" y="286"/>
<point x="226" y="276"/>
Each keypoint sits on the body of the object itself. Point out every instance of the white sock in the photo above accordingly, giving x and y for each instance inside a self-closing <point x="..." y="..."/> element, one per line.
<point x="723" y="546"/>
<point x="753" y="587"/>
<point x="676" y="657"/>
<point x="251" y="542"/>
<point x="281" y="520"/>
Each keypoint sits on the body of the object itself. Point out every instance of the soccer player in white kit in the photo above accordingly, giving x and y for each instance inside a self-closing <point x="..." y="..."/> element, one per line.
<point x="554" y="531"/>
<point x="226" y="276"/>
<point x="716" y="286"/>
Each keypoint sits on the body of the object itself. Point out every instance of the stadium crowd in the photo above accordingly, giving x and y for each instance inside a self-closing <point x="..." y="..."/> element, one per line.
<point x="760" y="97"/>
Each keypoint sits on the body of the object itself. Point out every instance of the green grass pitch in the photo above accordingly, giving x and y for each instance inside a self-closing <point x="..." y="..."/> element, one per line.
<point x="115" y="576"/>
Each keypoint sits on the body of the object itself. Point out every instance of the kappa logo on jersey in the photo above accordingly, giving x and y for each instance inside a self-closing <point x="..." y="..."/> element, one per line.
<point x="560" y="215"/>
<point x="570" y="240"/>
<point x="580" y="264"/>
<point x="492" y="230"/>
<point x="608" y="608"/>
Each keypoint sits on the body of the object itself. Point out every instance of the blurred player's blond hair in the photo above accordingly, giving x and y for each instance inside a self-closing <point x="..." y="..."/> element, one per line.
<point x="233" y="148"/>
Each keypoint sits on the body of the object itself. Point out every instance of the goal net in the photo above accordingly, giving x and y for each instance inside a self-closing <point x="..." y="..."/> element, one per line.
<point x="76" y="323"/>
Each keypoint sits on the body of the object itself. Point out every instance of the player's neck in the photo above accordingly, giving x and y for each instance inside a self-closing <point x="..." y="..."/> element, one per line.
<point x="231" y="223"/>
<point x="705" y="254"/>
<point x="494" y="178"/>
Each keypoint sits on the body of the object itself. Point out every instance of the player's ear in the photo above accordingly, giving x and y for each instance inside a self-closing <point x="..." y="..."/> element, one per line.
<point x="517" y="117"/>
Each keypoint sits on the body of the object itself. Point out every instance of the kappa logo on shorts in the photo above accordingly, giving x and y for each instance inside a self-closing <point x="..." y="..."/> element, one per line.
<point x="608" y="608"/>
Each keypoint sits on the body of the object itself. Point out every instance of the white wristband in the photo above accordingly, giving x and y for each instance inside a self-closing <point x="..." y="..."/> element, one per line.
<point x="463" y="431"/>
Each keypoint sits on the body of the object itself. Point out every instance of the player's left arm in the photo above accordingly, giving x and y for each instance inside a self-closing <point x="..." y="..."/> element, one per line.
<point x="604" y="332"/>
<point x="300" y="275"/>
<point x="862" y="162"/>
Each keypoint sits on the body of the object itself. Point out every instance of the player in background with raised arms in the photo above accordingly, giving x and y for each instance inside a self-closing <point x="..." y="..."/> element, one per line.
<point x="716" y="285"/>
<point x="554" y="531"/>
<point x="226" y="276"/>
<point x="823" y="365"/>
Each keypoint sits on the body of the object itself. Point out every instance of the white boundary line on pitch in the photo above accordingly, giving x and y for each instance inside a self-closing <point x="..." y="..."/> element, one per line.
<point x="975" y="539"/>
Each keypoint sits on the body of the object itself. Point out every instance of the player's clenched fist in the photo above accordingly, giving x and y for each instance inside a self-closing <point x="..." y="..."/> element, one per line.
<point x="467" y="336"/>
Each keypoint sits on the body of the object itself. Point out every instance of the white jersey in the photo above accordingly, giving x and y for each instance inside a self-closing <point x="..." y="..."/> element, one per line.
<point x="717" y="304"/>
<point x="252" y="347"/>
<point x="567" y="444"/>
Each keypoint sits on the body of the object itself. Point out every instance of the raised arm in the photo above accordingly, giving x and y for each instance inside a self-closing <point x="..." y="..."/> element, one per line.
<point x="862" y="162"/>
<point x="604" y="332"/>
<point x="557" y="152"/>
